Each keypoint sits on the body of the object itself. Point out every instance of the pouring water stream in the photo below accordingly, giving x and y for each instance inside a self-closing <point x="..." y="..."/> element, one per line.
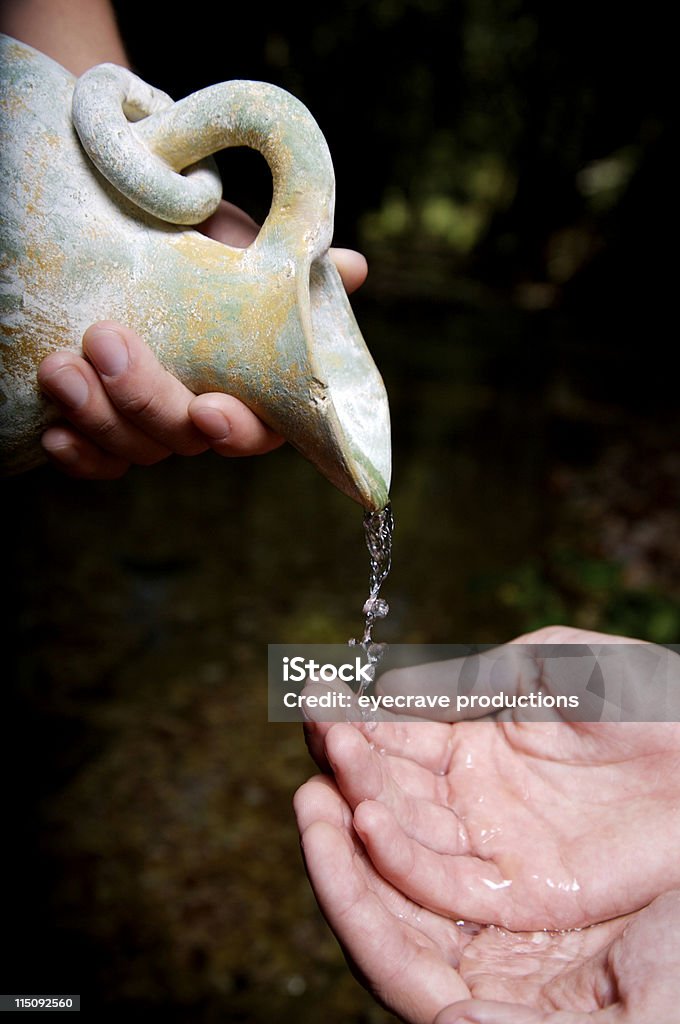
<point x="378" y="530"/>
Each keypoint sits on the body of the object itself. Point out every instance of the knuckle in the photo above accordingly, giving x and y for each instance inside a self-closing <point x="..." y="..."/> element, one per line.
<point x="142" y="405"/>
<point x="103" y="430"/>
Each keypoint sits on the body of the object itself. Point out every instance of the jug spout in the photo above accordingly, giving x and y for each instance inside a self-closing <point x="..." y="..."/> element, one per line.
<point x="103" y="178"/>
<point x="349" y="393"/>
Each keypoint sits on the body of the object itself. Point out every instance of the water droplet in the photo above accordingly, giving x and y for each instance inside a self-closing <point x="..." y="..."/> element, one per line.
<point x="376" y="607"/>
<point x="505" y="884"/>
<point x="469" y="927"/>
<point x="375" y="651"/>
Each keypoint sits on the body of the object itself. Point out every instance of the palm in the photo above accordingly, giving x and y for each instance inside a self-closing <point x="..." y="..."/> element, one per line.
<point x="522" y="825"/>
<point x="417" y="962"/>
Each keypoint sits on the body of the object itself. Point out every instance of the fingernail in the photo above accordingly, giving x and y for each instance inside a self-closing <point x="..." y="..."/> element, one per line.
<point x="215" y="424"/>
<point x="66" y="454"/>
<point x="107" y="350"/>
<point x="67" y="385"/>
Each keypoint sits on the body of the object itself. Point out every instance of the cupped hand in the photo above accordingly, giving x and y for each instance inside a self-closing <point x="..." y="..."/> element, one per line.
<point x="422" y="965"/>
<point x="526" y="825"/>
<point x="120" y="407"/>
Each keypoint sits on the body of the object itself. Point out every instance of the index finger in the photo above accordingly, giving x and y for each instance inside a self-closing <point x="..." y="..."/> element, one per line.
<point x="429" y="744"/>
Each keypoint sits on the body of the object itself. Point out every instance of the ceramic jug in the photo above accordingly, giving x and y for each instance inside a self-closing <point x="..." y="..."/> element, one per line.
<point x="101" y="179"/>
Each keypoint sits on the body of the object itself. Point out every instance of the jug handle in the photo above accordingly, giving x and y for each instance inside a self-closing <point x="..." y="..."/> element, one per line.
<point x="140" y="141"/>
<point x="107" y="101"/>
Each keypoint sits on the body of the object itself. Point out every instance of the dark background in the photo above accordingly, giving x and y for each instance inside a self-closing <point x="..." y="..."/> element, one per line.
<point x="505" y="167"/>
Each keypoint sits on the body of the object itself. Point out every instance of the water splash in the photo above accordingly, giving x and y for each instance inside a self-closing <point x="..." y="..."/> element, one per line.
<point x="378" y="530"/>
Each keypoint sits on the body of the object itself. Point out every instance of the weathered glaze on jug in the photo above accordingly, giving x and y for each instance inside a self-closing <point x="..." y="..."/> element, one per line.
<point x="94" y="215"/>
